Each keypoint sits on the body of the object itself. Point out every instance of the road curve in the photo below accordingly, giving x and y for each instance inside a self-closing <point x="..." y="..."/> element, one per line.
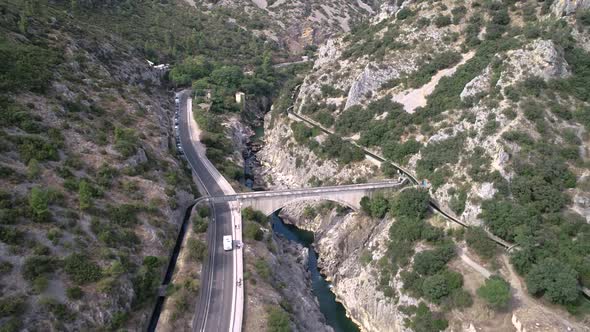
<point x="220" y="303"/>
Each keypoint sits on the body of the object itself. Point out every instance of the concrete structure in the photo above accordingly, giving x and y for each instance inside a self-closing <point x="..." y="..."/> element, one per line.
<point x="240" y="97"/>
<point x="348" y="195"/>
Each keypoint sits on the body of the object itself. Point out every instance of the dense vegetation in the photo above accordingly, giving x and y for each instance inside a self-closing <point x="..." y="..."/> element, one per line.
<point x="428" y="277"/>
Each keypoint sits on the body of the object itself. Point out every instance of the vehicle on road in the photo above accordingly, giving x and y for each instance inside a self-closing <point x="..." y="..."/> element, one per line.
<point x="227" y="243"/>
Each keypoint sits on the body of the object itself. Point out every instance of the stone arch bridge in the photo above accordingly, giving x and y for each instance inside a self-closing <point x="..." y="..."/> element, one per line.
<point x="271" y="201"/>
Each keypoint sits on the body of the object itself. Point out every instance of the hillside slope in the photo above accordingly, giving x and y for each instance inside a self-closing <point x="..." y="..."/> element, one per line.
<point x="488" y="103"/>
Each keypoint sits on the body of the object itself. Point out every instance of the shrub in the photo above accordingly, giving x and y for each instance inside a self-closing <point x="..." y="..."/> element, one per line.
<point x="376" y="207"/>
<point x="85" y="193"/>
<point x="197" y="249"/>
<point x="253" y="232"/>
<point x="442" y="21"/>
<point x="11" y="235"/>
<point x="277" y="320"/>
<point x="36" y="266"/>
<point x="439" y="153"/>
<point x="200" y="224"/>
<point x="74" y="293"/>
<point x="404" y="13"/>
<point x="432" y="261"/>
<point x="478" y="240"/>
<point x="25" y="67"/>
<point x="32" y="147"/>
<point x="81" y="269"/>
<point x="263" y="269"/>
<point x="125" y="141"/>
<point x="254" y="215"/>
<point x="12" y="305"/>
<point x="495" y="291"/>
<point x="59" y="310"/>
<point x="123" y="215"/>
<point x="424" y="320"/>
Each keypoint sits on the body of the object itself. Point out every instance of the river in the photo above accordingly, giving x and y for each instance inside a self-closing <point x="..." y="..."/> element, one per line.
<point x="332" y="310"/>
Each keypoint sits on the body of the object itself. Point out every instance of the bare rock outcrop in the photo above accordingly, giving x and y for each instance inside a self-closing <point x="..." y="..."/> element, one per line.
<point x="569" y="7"/>
<point x="540" y="58"/>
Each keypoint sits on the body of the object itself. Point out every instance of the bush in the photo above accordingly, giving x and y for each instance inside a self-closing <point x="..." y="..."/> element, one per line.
<point x="376" y="207"/>
<point x="277" y="320"/>
<point x="37" y="266"/>
<point x="253" y="232"/>
<point x="12" y="306"/>
<point x="495" y="291"/>
<point x="125" y="141"/>
<point x="59" y="310"/>
<point x="429" y="262"/>
<point x="11" y="235"/>
<point x="200" y="224"/>
<point x="250" y="214"/>
<point x="123" y="215"/>
<point x="81" y="269"/>
<point x="263" y="269"/>
<point x="478" y="240"/>
<point x="25" y="67"/>
<point x="85" y="193"/>
<point x="197" y="249"/>
<point x="442" y="21"/>
<point x="32" y="147"/>
<point x="404" y="13"/>
<point x="424" y="320"/>
<point x="74" y="293"/>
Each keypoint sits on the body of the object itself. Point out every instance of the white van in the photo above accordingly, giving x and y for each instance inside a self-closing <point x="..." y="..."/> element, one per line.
<point x="227" y="243"/>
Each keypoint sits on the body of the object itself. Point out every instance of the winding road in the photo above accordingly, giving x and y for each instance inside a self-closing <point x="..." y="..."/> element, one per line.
<point x="220" y="303"/>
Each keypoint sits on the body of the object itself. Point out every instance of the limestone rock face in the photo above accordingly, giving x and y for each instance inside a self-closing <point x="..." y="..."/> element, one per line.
<point x="291" y="268"/>
<point x="477" y="86"/>
<point x="541" y="58"/>
<point x="286" y="164"/>
<point x="569" y="7"/>
<point x="340" y="242"/>
<point x="369" y="80"/>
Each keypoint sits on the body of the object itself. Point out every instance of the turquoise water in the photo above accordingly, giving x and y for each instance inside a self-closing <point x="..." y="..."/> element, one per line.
<point x="333" y="311"/>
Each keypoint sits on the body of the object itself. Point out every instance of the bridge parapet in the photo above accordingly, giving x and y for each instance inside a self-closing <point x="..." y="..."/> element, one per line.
<point x="347" y="195"/>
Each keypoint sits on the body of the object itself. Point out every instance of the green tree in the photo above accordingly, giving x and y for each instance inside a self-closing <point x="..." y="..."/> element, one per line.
<point x="227" y="76"/>
<point x="379" y="206"/>
<point x="84" y="195"/>
<point x="424" y="320"/>
<point x="496" y="291"/>
<point x="435" y="288"/>
<point x="553" y="279"/>
<point x="39" y="204"/>
<point x="412" y="203"/>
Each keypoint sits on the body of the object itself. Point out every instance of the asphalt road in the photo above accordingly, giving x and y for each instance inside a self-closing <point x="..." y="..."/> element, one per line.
<point x="214" y="307"/>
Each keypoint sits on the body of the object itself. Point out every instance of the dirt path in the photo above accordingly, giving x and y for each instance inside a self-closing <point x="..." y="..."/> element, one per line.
<point x="473" y="264"/>
<point x="412" y="99"/>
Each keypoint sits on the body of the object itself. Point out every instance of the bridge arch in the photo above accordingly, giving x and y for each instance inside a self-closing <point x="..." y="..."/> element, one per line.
<point x="269" y="206"/>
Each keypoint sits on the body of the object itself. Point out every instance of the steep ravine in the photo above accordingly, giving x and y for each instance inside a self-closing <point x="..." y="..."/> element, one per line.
<point x="289" y="261"/>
